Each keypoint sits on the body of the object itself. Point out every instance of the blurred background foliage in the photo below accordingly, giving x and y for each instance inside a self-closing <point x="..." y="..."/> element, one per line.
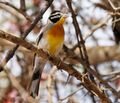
<point x="89" y="14"/>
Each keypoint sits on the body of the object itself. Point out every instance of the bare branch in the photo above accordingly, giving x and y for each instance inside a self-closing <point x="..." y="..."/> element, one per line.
<point x="49" y="83"/>
<point x="18" y="10"/>
<point x="99" y="25"/>
<point x="71" y="94"/>
<point x="81" y="44"/>
<point x="113" y="6"/>
<point x="91" y="87"/>
<point x="24" y="94"/>
<point x="22" y="6"/>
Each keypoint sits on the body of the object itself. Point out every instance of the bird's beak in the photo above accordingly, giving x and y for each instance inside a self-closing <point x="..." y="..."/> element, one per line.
<point x="65" y="15"/>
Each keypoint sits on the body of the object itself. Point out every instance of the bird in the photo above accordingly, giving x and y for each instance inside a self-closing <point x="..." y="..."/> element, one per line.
<point x="50" y="39"/>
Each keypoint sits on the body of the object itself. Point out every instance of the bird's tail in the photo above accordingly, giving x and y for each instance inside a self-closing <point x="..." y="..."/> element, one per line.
<point x="36" y="77"/>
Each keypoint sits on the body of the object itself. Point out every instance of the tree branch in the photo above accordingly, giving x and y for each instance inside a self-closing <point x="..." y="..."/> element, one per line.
<point x="16" y="9"/>
<point x="91" y="87"/>
<point x="104" y="53"/>
<point x="24" y="94"/>
<point x="22" y="6"/>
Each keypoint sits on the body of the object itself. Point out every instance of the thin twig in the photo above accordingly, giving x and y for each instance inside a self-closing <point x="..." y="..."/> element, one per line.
<point x="8" y="4"/>
<point x="18" y="10"/>
<point x="49" y="83"/>
<point x="71" y="94"/>
<point x="77" y="29"/>
<point x="112" y="73"/>
<point x="102" y="23"/>
<point x="22" y="6"/>
<point x="24" y="94"/>
<point x="113" y="6"/>
<point x="79" y="33"/>
<point x="56" y="89"/>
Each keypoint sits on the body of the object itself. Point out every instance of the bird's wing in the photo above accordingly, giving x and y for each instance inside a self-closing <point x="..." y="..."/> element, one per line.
<point x="43" y="30"/>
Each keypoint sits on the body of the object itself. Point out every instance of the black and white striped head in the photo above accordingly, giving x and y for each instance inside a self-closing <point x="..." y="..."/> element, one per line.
<point x="55" y="16"/>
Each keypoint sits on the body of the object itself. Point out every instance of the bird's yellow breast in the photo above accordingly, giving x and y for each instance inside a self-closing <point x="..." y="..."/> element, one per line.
<point x="55" y="39"/>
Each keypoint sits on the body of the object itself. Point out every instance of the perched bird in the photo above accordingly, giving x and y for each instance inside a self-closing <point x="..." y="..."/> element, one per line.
<point x="51" y="40"/>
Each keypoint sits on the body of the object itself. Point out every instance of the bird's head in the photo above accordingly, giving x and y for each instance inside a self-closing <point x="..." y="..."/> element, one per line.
<point x="57" y="17"/>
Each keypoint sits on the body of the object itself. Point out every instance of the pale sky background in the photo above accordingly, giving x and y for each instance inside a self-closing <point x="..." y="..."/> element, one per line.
<point x="91" y="11"/>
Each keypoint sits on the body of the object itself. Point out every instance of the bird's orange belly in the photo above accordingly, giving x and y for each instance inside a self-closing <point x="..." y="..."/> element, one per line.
<point x="55" y="39"/>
